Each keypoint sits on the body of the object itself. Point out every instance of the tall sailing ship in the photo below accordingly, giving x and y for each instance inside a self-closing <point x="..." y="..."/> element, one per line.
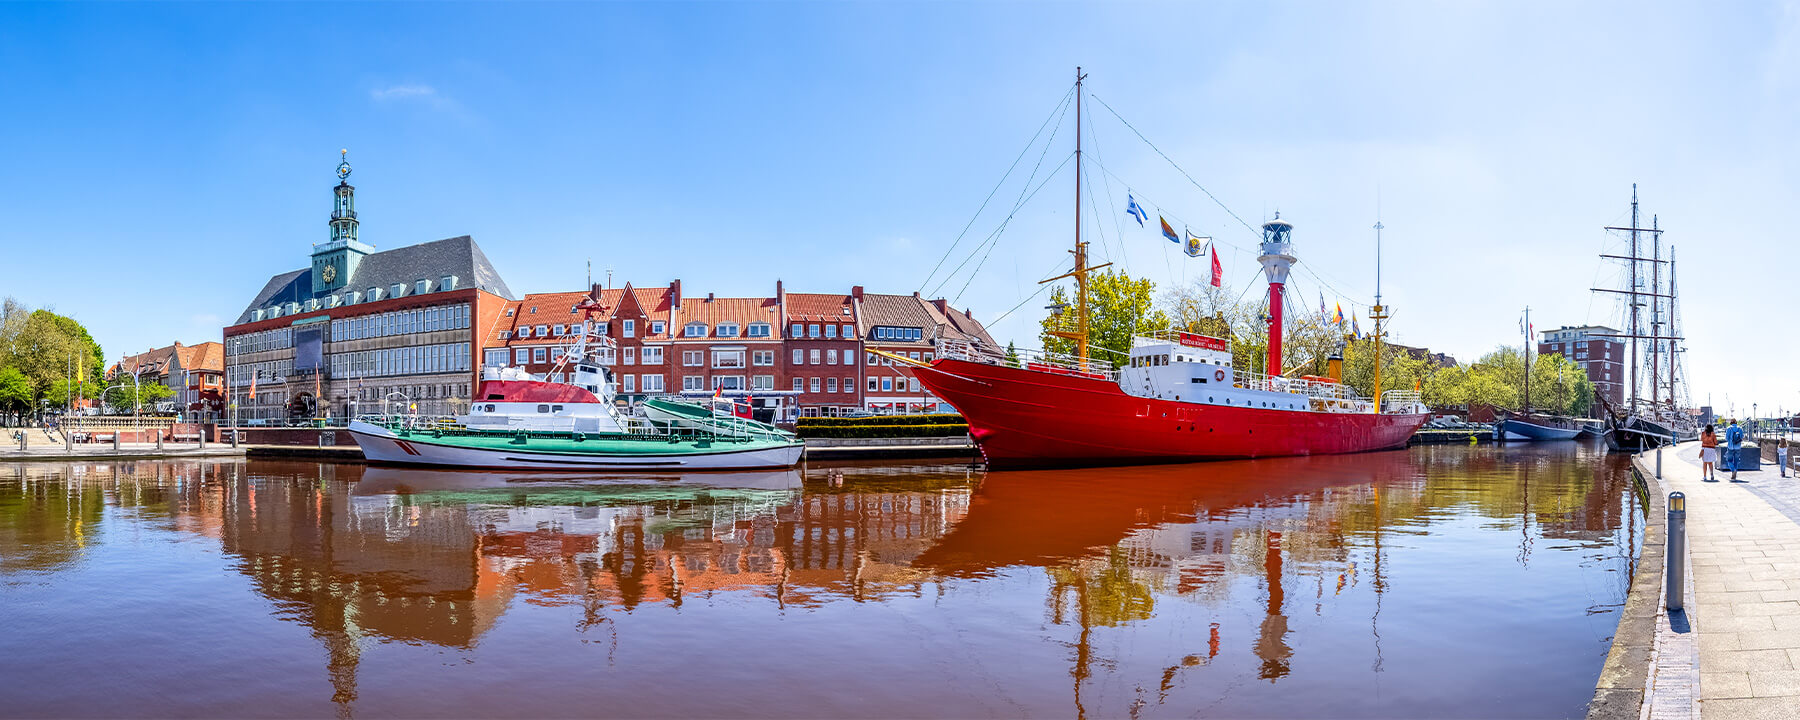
<point x="1652" y="318"/>
<point x="1175" y="397"/>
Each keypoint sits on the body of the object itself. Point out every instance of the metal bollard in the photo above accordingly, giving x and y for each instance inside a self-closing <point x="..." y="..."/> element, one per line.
<point x="68" y="441"/>
<point x="159" y="441"/>
<point x="1659" y="461"/>
<point x="1676" y="550"/>
<point x="201" y="433"/>
<point x="24" y="437"/>
<point x="116" y="441"/>
<point x="234" y="437"/>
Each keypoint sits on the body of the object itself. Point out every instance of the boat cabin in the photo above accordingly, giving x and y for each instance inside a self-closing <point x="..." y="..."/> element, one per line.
<point x="511" y="399"/>
<point x="1187" y="367"/>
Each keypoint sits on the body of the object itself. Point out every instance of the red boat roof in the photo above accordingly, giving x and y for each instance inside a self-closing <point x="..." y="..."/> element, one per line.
<point x="533" y="391"/>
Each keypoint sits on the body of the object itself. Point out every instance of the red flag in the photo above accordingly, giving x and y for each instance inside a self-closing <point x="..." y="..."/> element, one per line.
<point x="1218" y="277"/>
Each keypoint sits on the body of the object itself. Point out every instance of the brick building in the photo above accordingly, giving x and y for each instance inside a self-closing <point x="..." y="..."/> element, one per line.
<point x="1602" y="356"/>
<point x="822" y="354"/>
<point x="195" y="373"/>
<point x="360" y="331"/>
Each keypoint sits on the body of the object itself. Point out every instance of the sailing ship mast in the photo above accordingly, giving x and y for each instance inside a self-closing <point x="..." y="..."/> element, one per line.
<point x="1081" y="270"/>
<point x="1635" y="295"/>
<point x="1526" y="406"/>
<point x="1378" y="312"/>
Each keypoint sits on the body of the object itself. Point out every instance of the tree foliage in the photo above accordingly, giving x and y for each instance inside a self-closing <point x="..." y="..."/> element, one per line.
<point x="1119" y="306"/>
<point x="127" y="396"/>
<point x="54" y="353"/>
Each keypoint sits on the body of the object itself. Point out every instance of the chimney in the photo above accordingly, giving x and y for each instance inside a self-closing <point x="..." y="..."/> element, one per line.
<point x="709" y="297"/>
<point x="942" y="306"/>
<point x="915" y="293"/>
<point x="675" y="293"/>
<point x="780" y="294"/>
<point x="856" y="292"/>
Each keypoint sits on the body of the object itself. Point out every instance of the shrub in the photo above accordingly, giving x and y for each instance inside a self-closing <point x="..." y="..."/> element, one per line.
<point x="880" y="420"/>
<point x="884" y="431"/>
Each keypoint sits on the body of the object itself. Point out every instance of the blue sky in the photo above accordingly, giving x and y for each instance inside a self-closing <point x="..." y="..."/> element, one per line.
<point x="167" y="159"/>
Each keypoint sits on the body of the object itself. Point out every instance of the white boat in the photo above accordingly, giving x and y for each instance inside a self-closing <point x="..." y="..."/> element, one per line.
<point x="517" y="421"/>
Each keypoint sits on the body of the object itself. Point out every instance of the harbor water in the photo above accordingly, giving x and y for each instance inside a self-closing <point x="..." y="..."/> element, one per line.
<point x="1438" y="581"/>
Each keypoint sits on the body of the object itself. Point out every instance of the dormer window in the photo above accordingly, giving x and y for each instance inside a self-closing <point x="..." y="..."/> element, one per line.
<point x="758" y="330"/>
<point x="397" y="290"/>
<point x="562" y="330"/>
<point x="694" y="330"/>
<point x="831" y="332"/>
<point x="448" y="282"/>
<point x="292" y="308"/>
<point x="728" y="330"/>
<point x="374" y="294"/>
<point x="256" y="315"/>
<point x="656" y="327"/>
<point x="543" y="331"/>
<point x="525" y="331"/>
<point x="421" y="286"/>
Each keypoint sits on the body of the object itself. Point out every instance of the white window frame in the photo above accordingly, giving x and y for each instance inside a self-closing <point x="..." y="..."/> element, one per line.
<point x="629" y="355"/>
<point x="628" y="328"/>
<point x="799" y="385"/>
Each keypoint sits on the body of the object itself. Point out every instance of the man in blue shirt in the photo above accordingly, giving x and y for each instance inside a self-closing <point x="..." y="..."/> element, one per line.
<point x="1734" y="441"/>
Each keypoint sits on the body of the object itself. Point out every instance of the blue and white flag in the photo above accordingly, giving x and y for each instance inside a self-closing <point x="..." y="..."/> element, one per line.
<point x="1135" y="210"/>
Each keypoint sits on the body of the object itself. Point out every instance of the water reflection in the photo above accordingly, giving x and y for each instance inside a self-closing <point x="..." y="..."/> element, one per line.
<point x="1161" y="589"/>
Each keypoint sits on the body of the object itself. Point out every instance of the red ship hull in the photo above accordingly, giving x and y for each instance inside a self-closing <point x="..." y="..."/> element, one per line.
<point x="1030" y="418"/>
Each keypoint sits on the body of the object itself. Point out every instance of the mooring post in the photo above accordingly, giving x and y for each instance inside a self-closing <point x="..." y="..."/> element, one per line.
<point x="116" y="434"/>
<point x="1659" y="461"/>
<point x="1676" y="549"/>
<point x="234" y="437"/>
<point x="159" y="441"/>
<point x="68" y="440"/>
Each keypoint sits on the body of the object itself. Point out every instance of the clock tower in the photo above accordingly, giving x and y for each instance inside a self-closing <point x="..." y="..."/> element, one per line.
<point x="335" y="261"/>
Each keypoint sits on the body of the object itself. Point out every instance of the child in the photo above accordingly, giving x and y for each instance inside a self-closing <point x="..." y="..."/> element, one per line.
<point x="1781" y="455"/>
<point x="1709" y="453"/>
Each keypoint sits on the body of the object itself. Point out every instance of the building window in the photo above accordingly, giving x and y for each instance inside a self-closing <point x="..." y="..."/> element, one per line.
<point x="651" y="383"/>
<point x="815" y="356"/>
<point x="887" y="384"/>
<point x="849" y="386"/>
<point x="757" y="330"/>
<point x="762" y="358"/>
<point x="830" y="357"/>
<point x="556" y="377"/>
<point x="693" y="358"/>
<point x="799" y="357"/>
<point x="628" y="328"/>
<point x="543" y="331"/>
<point x="728" y="330"/>
<point x="693" y="382"/>
<point x="874" y="384"/>
<point x="812" y="330"/>
<point x="653" y="356"/>
<point x="799" y="385"/>
<point x="728" y="382"/>
<point x="815" y="385"/>
<point x="505" y="334"/>
<point x="915" y="355"/>
<point x="795" y="331"/>
<point x="495" y="358"/>
<point x="522" y="356"/>
<point x="872" y="359"/>
<point x="831" y="332"/>
<point x="630" y="383"/>
<point x="525" y="332"/>
<point x="762" y="382"/>
<point x="694" y="329"/>
<point x="537" y="355"/>
<point x="728" y="358"/>
<point x="831" y="384"/>
<point x="630" y="354"/>
<point x="556" y="354"/>
<point x="561" y="330"/>
<point x="849" y="332"/>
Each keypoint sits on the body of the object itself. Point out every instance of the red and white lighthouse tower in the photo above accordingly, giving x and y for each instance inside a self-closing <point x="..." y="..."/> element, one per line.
<point x="1277" y="259"/>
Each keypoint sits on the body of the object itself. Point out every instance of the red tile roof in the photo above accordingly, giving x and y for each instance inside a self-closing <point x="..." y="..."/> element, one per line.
<point x="743" y="311"/>
<point x="802" y="307"/>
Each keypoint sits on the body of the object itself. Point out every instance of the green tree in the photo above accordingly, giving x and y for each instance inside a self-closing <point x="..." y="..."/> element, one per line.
<point x="16" y="394"/>
<point x="47" y="347"/>
<point x="1012" y="354"/>
<point x="128" y="396"/>
<point x="1119" y="307"/>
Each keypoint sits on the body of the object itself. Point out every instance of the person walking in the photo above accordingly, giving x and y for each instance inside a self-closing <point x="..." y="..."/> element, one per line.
<point x="1781" y="454"/>
<point x="1709" y="454"/>
<point x="1734" y="442"/>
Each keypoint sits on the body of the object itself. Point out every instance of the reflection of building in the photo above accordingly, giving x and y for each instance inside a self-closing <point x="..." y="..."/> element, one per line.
<point x="363" y="327"/>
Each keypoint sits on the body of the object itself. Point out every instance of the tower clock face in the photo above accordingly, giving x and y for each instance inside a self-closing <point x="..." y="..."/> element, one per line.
<point x="329" y="273"/>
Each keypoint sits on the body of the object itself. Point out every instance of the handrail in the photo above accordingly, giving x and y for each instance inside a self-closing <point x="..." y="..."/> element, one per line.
<point x="1027" y="359"/>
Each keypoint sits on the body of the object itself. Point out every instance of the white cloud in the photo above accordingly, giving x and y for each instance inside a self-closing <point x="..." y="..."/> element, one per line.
<point x="404" y="92"/>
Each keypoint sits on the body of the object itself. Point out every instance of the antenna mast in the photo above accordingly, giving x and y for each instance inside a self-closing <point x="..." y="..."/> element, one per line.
<point x="1378" y="312"/>
<point x="1080" y="273"/>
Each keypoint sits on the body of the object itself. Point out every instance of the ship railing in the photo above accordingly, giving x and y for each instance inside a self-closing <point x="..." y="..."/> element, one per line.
<point x="1297" y="386"/>
<point x="1027" y="359"/>
<point x="1188" y="339"/>
<point x="1401" y="399"/>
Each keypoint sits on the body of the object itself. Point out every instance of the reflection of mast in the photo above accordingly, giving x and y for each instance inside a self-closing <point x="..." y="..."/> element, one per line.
<point x="1271" y="644"/>
<point x="1380" y="583"/>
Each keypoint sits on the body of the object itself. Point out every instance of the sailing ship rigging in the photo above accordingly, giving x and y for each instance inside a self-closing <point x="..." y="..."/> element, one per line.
<point x="1653" y="336"/>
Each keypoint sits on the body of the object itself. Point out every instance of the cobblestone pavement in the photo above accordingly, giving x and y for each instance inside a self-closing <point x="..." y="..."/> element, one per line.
<point x="1744" y="544"/>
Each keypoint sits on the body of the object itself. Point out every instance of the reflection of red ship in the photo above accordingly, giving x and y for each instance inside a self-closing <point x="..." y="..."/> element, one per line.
<point x="1177" y="398"/>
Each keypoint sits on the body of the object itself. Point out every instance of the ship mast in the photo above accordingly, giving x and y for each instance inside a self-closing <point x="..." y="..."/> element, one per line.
<point x="1080" y="273"/>
<point x="1635" y="332"/>
<point x="1656" y="320"/>
<point x="1378" y="312"/>
<point x="1526" y="407"/>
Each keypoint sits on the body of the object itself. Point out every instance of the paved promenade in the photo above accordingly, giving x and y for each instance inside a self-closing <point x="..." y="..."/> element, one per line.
<point x="1744" y="546"/>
